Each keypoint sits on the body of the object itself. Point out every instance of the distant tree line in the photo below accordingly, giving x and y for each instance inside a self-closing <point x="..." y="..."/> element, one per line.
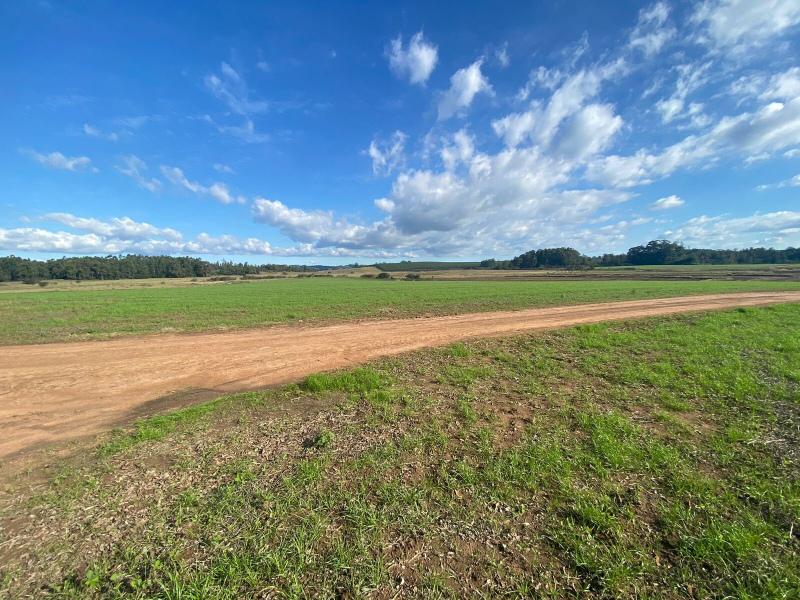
<point x="132" y="266"/>
<point x="137" y="266"/>
<point x="664" y="252"/>
<point x="656" y="252"/>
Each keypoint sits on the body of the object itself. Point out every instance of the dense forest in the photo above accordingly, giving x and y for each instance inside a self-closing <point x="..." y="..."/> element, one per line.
<point x="656" y="252"/>
<point x="132" y="266"/>
<point x="664" y="252"/>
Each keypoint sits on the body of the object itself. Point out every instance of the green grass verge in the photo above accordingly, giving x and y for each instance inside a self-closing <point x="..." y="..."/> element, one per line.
<point x="35" y="317"/>
<point x="649" y="459"/>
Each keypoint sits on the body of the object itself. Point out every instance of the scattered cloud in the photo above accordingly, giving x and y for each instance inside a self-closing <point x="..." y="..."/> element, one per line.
<point x="233" y="91"/>
<point x="589" y="132"/>
<point x="133" y="167"/>
<point x="747" y="86"/>
<point x="218" y="191"/>
<point x="497" y="203"/>
<point x="690" y="78"/>
<point x="667" y="203"/>
<point x="389" y="155"/>
<point x="114" y="236"/>
<point x="221" y="193"/>
<point x="465" y="84"/>
<point x="652" y="32"/>
<point x="783" y="86"/>
<point x="136" y="122"/>
<point x="231" y="88"/>
<point x="94" y="132"/>
<point x="738" y="25"/>
<point x="124" y="228"/>
<point x="28" y="239"/>
<point x="542" y="121"/>
<point x="525" y="194"/>
<point x="124" y="235"/>
<point x="460" y="151"/>
<point x="246" y="132"/>
<point x="776" y="229"/>
<point x="294" y="223"/>
<point x="176" y="177"/>
<point x="770" y="129"/>
<point x="220" y="168"/>
<point x="56" y="160"/>
<point x="415" y="62"/>
<point x="543" y="78"/>
<point x="501" y="54"/>
<point x="792" y="182"/>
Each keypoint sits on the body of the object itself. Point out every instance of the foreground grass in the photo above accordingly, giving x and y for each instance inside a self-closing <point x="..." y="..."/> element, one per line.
<point x="38" y="317"/>
<point x="651" y="459"/>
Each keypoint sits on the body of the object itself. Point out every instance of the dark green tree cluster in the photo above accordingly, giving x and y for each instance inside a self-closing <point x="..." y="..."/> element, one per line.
<point x="132" y="266"/>
<point x="656" y="252"/>
<point x="551" y="258"/>
<point x="665" y="252"/>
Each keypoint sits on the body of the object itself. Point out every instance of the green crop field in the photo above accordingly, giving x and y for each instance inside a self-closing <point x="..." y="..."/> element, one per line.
<point x="649" y="459"/>
<point x="73" y="315"/>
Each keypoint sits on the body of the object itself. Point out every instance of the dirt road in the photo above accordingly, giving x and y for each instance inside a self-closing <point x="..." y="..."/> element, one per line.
<point x="59" y="392"/>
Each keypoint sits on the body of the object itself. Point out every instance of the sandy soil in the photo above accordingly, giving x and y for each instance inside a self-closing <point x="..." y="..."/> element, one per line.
<point x="59" y="392"/>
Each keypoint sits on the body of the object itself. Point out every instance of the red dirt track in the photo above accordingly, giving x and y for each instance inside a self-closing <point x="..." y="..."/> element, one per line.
<point x="59" y="392"/>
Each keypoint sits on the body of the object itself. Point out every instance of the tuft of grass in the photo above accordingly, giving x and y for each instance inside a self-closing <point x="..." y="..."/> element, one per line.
<point x="456" y="350"/>
<point x="363" y="379"/>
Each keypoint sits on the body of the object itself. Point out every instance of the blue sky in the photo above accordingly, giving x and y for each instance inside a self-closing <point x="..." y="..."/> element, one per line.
<point x="341" y="132"/>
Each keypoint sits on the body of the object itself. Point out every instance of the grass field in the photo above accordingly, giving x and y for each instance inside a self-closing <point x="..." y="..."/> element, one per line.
<point x="650" y="459"/>
<point x="97" y="314"/>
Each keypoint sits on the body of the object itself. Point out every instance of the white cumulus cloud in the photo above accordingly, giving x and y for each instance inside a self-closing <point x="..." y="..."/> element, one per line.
<point x="465" y="84"/>
<point x="123" y="228"/>
<point x="415" y="62"/>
